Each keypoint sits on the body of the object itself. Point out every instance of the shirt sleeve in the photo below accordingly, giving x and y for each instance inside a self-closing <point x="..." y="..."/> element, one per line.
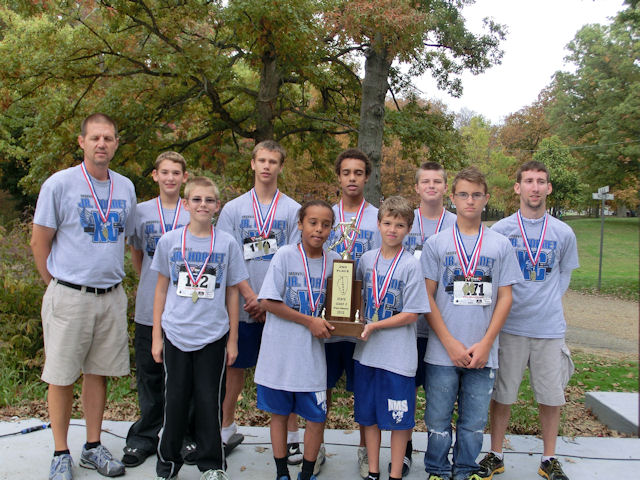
<point x="47" y="206"/>
<point x="237" y="269"/>
<point x="160" y="262"/>
<point x="273" y="285"/>
<point x="429" y="260"/>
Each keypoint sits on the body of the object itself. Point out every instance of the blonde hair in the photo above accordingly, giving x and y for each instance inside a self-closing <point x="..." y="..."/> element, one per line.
<point x="174" y="157"/>
<point x="397" y="206"/>
<point x="200" y="182"/>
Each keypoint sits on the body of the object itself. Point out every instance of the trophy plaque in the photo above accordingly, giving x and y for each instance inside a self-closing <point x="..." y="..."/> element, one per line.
<point x="344" y="293"/>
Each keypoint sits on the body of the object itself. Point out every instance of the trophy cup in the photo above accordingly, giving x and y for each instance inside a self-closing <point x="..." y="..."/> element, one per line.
<point x="344" y="293"/>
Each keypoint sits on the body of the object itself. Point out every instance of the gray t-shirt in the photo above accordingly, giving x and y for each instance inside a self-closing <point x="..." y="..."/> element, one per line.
<point x="145" y="238"/>
<point x="392" y="349"/>
<point x="191" y="326"/>
<point x="414" y="240"/>
<point x="368" y="239"/>
<point x="291" y="358"/>
<point x="237" y="218"/>
<point x="86" y="251"/>
<point x="537" y="302"/>
<point x="467" y="323"/>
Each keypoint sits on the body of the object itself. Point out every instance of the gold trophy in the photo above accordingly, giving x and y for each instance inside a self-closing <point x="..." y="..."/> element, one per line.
<point x="344" y="293"/>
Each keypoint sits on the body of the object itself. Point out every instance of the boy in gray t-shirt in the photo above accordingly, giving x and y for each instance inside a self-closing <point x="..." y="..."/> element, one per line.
<point x="195" y="329"/>
<point x="469" y="271"/>
<point x="153" y="218"/>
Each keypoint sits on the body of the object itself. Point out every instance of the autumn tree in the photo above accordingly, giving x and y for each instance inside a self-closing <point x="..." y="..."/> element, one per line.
<point x="402" y="39"/>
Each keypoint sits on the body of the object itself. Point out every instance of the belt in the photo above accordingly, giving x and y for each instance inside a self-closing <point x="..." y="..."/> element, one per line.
<point x="82" y="288"/>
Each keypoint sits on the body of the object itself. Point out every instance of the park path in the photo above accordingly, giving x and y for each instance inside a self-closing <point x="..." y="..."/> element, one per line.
<point x="600" y="323"/>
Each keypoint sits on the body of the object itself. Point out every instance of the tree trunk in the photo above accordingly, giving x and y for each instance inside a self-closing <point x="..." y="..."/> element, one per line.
<point x="371" y="129"/>
<point x="267" y="95"/>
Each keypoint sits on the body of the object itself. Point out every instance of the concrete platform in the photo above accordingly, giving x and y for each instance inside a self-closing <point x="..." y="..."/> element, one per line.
<point x="28" y="456"/>
<point x="617" y="410"/>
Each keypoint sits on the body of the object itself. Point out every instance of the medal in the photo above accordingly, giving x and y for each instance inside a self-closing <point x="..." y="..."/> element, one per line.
<point x="176" y="214"/>
<point x="468" y="263"/>
<point x="104" y="216"/>
<point x="380" y="291"/>
<point x="313" y="305"/>
<point x="525" y="240"/>
<point x="359" y="214"/>
<point x="264" y="224"/>
<point x="196" y="280"/>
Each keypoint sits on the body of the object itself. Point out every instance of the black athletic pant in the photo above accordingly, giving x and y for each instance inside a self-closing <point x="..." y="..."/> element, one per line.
<point x="143" y="434"/>
<point x="199" y="377"/>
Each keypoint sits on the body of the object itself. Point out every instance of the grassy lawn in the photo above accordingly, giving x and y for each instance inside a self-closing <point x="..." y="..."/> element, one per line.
<point x="619" y="260"/>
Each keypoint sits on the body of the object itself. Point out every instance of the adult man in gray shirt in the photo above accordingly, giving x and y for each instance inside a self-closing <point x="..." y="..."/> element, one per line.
<point x="533" y="334"/>
<point x="81" y="219"/>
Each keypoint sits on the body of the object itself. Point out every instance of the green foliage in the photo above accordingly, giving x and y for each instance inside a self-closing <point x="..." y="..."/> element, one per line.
<point x="620" y="256"/>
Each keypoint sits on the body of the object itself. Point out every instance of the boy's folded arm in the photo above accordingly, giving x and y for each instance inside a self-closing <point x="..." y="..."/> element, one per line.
<point x="455" y="349"/>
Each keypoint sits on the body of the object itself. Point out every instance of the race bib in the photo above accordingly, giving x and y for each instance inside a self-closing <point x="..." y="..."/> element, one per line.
<point x="472" y="291"/>
<point x="259" y="247"/>
<point x="205" y="288"/>
<point x="417" y="253"/>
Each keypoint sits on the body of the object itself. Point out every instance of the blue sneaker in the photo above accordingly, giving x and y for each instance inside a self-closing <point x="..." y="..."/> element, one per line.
<point x="61" y="467"/>
<point x="100" y="459"/>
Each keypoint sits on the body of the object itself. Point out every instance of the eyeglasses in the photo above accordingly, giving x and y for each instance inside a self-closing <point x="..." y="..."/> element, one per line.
<point x="207" y="200"/>
<point x="474" y="195"/>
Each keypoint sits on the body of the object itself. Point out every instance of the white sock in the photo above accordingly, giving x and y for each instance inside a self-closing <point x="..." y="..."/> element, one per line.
<point x="545" y="458"/>
<point x="500" y="455"/>
<point x="226" y="432"/>
<point x="293" y="437"/>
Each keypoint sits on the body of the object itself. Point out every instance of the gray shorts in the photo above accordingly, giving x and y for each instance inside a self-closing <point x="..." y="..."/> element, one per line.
<point x="83" y="333"/>
<point x="550" y="368"/>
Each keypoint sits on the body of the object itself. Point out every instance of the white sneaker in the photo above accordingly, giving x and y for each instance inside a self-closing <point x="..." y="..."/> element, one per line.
<point x="363" y="462"/>
<point x="214" y="475"/>
<point x="322" y="457"/>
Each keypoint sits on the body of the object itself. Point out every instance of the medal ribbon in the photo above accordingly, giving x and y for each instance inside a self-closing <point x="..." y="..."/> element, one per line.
<point x="438" y="225"/>
<point x="184" y="256"/>
<point x="380" y="292"/>
<point x="264" y="224"/>
<point x="468" y="263"/>
<point x="174" y="224"/>
<point x="313" y="305"/>
<point x="103" y="216"/>
<point x="525" y="240"/>
<point x="359" y="215"/>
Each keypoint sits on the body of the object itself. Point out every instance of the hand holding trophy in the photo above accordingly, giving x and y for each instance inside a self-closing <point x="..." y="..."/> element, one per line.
<point x="344" y="292"/>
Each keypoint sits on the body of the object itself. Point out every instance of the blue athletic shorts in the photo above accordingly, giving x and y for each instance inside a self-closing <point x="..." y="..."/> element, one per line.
<point x="249" y="337"/>
<point x="311" y="406"/>
<point x="339" y="359"/>
<point x="383" y="398"/>
<point x="422" y="348"/>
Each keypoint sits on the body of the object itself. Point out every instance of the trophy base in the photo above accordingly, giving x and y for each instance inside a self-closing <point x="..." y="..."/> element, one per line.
<point x="346" y="328"/>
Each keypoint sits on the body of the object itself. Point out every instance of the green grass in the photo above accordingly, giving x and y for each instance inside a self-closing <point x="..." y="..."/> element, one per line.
<point x="619" y="259"/>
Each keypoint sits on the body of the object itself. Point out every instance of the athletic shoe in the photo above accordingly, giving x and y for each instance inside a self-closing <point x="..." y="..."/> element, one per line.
<point x="363" y="462"/>
<point x="406" y="466"/>
<point x="322" y="457"/>
<point x="166" y="478"/>
<point x="479" y="475"/>
<point x="283" y="477"/>
<point x="100" y="459"/>
<point x="61" y="467"/>
<point x="214" y="475"/>
<point x="189" y="452"/>
<point x="294" y="455"/>
<point x="552" y="470"/>
<point x="436" y="477"/>
<point x="134" y="456"/>
<point x="313" y="477"/>
<point x="491" y="465"/>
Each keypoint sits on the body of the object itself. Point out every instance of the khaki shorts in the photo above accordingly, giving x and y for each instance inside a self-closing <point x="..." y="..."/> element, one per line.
<point x="83" y="333"/>
<point x="550" y="368"/>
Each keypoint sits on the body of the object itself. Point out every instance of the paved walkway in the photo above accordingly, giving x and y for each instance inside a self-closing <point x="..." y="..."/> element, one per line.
<point x="28" y="456"/>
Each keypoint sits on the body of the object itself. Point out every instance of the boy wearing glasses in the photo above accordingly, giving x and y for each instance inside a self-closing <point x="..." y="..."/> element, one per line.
<point x="469" y="271"/>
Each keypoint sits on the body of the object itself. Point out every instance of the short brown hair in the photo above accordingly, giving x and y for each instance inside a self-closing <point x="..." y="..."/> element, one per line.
<point x="356" y="154"/>
<point x="531" y="165"/>
<point x="315" y="203"/>
<point x="174" y="157"/>
<point x="470" y="174"/>
<point x="200" y="182"/>
<point x="97" y="118"/>
<point x="434" y="166"/>
<point x="272" y="146"/>
<point x="397" y="206"/>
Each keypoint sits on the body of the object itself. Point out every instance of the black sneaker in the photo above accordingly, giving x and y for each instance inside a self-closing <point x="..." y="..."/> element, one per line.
<point x="294" y="455"/>
<point x="552" y="470"/>
<point x="491" y="465"/>
<point x="189" y="452"/>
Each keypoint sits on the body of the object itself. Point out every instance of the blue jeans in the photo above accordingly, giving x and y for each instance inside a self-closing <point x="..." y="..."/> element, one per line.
<point x="472" y="389"/>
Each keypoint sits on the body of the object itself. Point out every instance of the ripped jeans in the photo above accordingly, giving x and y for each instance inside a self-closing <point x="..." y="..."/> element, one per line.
<point x="472" y="389"/>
